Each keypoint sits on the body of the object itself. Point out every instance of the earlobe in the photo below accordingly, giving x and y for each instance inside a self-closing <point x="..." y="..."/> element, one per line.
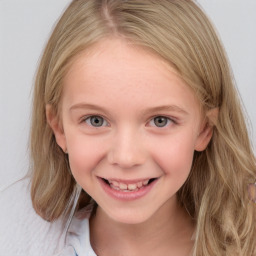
<point x="53" y="121"/>
<point x="206" y="131"/>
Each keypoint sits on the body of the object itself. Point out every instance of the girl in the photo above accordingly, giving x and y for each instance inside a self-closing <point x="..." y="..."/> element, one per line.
<point x="138" y="138"/>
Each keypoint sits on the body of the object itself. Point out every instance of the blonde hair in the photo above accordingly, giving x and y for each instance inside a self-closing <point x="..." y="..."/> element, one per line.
<point x="215" y="194"/>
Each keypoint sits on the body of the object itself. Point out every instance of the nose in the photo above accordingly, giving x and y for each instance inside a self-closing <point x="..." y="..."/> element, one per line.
<point x="127" y="149"/>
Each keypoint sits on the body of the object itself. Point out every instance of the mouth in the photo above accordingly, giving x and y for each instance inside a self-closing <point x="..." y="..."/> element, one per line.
<point x="128" y="186"/>
<point x="125" y="190"/>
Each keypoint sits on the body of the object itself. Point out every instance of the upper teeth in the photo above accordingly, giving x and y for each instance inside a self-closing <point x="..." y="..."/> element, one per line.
<point x="127" y="187"/>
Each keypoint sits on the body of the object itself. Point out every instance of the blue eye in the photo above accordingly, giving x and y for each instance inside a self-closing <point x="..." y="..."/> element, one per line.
<point x="160" y="121"/>
<point x="96" y="121"/>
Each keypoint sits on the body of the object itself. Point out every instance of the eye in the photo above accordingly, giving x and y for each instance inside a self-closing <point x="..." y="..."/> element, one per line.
<point x="96" y="121"/>
<point x="160" y="121"/>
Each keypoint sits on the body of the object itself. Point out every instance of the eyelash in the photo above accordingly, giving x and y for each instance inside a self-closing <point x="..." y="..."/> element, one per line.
<point x="88" y="120"/>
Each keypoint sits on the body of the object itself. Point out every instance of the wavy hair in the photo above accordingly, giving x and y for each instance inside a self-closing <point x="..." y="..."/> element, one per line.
<point x="215" y="194"/>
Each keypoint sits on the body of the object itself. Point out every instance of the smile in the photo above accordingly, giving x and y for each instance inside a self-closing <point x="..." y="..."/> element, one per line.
<point x="127" y="187"/>
<point x="127" y="190"/>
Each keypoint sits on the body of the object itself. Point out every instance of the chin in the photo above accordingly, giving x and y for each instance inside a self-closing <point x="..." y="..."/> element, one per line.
<point x="131" y="217"/>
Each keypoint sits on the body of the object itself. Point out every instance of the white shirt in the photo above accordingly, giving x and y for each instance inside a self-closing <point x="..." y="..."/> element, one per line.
<point x="24" y="233"/>
<point x="78" y="239"/>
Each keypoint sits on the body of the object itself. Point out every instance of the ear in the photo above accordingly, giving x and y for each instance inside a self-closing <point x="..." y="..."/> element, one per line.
<point x="56" y="127"/>
<point x="206" y="130"/>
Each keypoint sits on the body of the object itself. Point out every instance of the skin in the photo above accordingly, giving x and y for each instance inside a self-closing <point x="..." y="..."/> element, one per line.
<point x="128" y="87"/>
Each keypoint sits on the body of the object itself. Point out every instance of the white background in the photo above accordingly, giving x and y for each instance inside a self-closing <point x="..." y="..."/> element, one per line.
<point x="24" y="28"/>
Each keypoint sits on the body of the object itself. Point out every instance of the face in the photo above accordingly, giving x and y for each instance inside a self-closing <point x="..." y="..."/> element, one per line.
<point x="130" y="126"/>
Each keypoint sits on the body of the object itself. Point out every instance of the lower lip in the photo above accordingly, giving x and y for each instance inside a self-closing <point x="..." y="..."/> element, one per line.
<point x="127" y="196"/>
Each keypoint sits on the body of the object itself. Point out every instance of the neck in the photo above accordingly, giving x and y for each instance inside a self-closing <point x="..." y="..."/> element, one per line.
<point x="168" y="230"/>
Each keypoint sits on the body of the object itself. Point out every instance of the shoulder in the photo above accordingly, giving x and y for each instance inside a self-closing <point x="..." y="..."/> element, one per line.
<point x="25" y="233"/>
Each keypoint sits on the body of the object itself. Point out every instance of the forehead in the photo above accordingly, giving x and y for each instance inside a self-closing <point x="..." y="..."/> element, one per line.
<point x="114" y="68"/>
<point x="122" y="53"/>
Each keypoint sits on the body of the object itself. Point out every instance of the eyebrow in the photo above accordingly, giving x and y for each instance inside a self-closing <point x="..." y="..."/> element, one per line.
<point x="173" y="108"/>
<point x="86" y="105"/>
<point x="89" y="106"/>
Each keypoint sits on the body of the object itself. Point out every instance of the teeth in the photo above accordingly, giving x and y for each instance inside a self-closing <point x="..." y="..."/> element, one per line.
<point x="145" y="182"/>
<point x="132" y="186"/>
<point x="116" y="188"/>
<point x="115" y="183"/>
<point x="127" y="187"/>
<point x="122" y="186"/>
<point x="139" y="185"/>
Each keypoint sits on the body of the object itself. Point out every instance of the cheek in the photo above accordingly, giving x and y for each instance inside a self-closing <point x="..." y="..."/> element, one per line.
<point x="84" y="154"/>
<point x="175" y="156"/>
